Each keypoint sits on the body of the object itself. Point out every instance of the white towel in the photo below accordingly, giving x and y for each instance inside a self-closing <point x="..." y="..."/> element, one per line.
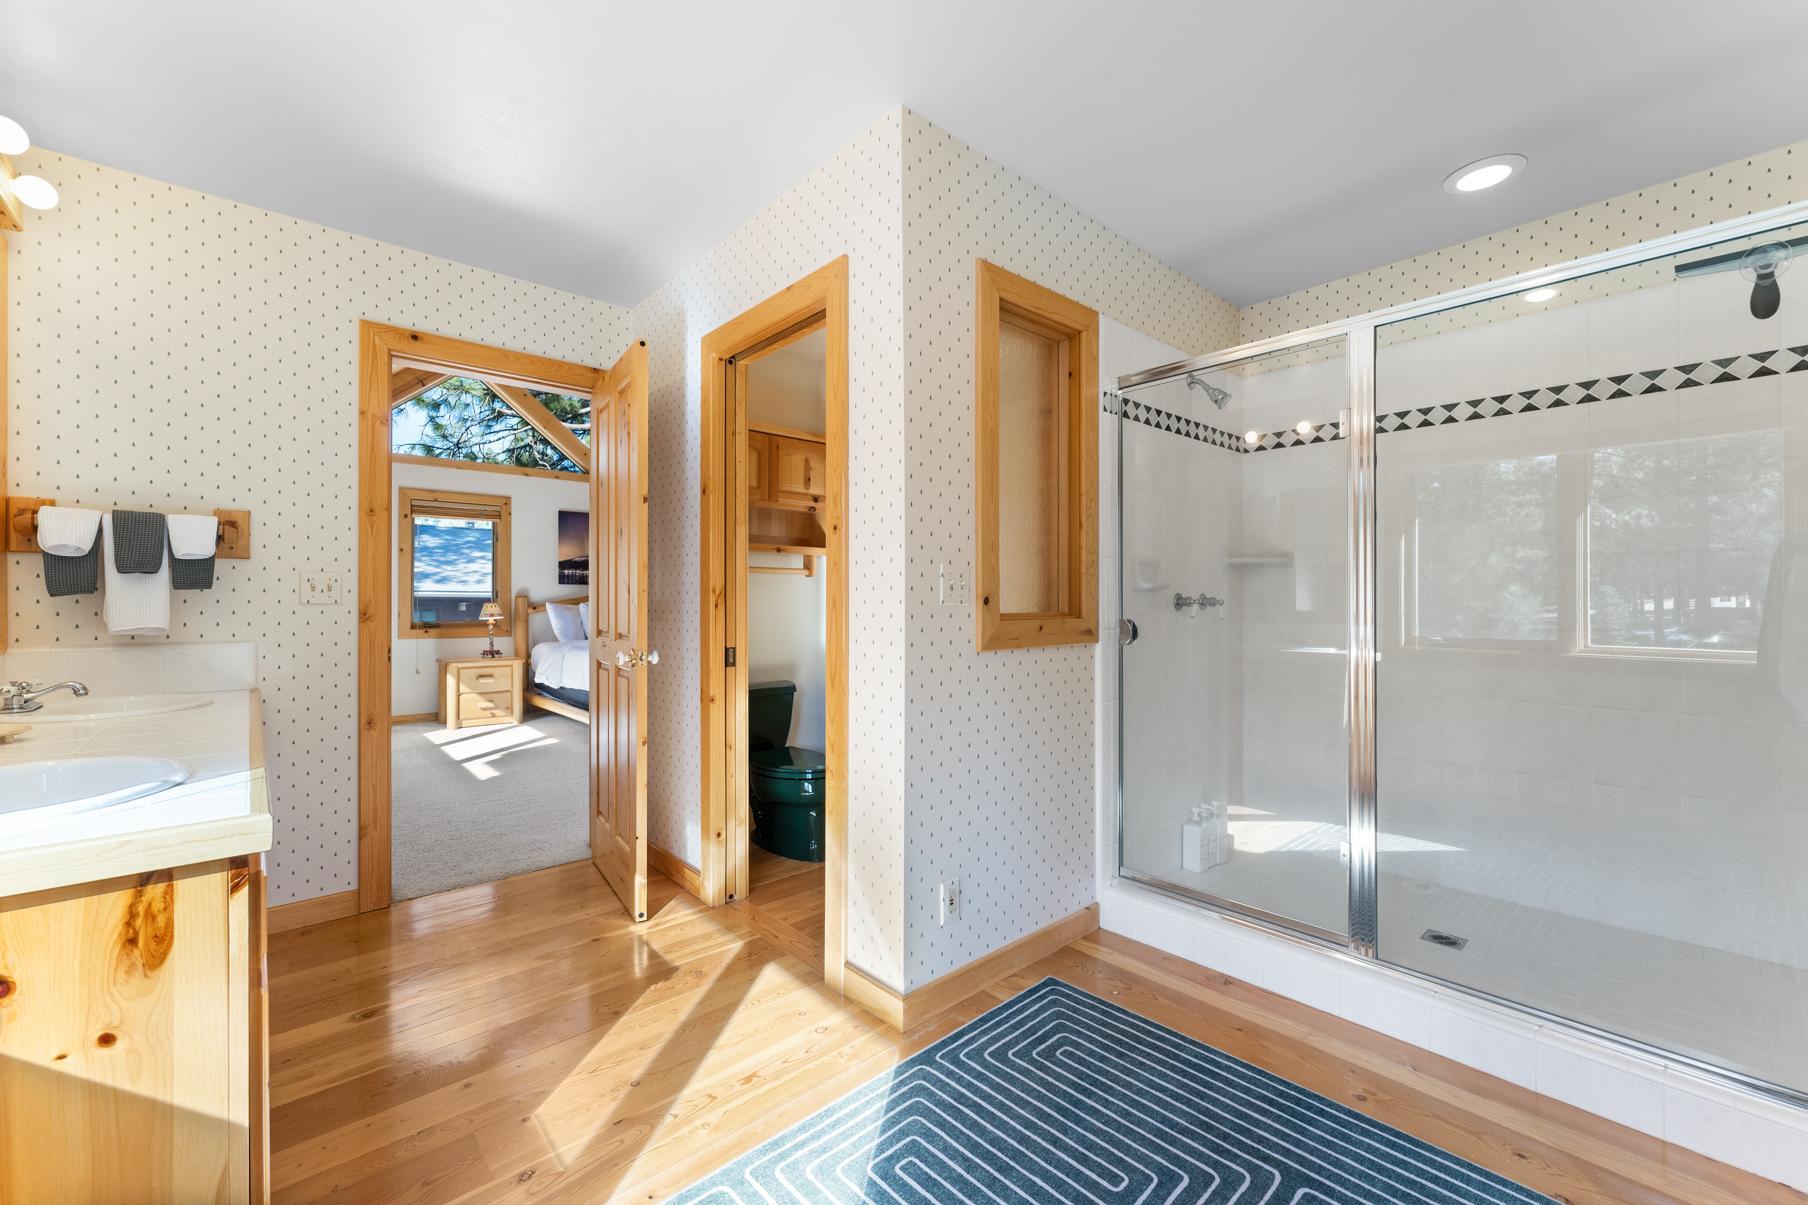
<point x="136" y="604"/>
<point x="67" y="530"/>
<point x="193" y="537"/>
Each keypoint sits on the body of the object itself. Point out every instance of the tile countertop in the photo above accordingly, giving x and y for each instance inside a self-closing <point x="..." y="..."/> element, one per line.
<point x="222" y="811"/>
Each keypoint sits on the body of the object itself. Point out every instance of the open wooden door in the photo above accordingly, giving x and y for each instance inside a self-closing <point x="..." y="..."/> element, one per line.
<point x="619" y="657"/>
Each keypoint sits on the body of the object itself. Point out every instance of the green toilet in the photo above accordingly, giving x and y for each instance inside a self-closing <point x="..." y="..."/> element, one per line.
<point x="788" y="782"/>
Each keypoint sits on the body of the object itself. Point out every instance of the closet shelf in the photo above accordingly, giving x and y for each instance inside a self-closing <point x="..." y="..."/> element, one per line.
<point x="781" y="544"/>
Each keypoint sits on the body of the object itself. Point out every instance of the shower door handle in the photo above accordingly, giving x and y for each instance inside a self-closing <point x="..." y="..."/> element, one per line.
<point x="1126" y="631"/>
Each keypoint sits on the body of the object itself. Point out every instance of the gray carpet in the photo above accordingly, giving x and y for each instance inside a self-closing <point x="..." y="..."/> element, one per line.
<point x="481" y="804"/>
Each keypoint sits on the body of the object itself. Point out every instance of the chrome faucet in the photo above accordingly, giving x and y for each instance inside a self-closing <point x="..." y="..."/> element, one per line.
<point x="23" y="696"/>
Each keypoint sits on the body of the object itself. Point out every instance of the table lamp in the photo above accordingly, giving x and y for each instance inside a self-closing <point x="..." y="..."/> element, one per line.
<point x="492" y="611"/>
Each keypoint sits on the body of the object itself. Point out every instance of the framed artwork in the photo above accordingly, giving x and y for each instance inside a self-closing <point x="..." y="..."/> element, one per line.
<point x="574" y="548"/>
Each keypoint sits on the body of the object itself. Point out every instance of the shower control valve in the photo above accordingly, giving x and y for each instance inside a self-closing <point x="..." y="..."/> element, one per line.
<point x="1204" y="601"/>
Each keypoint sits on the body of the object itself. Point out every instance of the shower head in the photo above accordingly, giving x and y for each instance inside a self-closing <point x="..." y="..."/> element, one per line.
<point x="1761" y="265"/>
<point x="1220" y="397"/>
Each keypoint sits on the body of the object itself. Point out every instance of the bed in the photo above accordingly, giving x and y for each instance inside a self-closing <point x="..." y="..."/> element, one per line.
<point x="558" y="671"/>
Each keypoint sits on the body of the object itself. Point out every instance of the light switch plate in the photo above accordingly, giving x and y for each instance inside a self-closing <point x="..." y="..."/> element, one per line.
<point x="319" y="587"/>
<point x="950" y="584"/>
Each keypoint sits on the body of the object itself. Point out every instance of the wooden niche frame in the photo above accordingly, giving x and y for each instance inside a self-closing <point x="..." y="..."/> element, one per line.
<point x="1071" y="486"/>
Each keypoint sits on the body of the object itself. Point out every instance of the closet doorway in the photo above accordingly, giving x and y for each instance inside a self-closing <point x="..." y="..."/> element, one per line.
<point x="774" y="556"/>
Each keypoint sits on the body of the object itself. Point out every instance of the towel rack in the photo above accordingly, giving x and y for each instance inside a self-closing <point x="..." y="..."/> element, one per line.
<point x="234" y="538"/>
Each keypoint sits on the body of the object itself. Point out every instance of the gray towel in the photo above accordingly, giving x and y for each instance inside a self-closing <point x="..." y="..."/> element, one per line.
<point x="139" y="537"/>
<point x="191" y="575"/>
<point x="65" y="575"/>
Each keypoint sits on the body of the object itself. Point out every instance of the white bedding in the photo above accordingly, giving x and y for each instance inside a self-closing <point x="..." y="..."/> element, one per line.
<point x="562" y="664"/>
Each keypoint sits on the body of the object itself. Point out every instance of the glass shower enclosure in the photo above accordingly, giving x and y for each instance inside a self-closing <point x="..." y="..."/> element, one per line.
<point x="1472" y="637"/>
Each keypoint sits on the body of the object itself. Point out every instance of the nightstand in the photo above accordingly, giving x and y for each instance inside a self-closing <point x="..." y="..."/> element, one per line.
<point x="482" y="690"/>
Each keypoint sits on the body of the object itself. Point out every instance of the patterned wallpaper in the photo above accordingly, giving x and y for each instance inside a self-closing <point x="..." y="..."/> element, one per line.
<point x="1719" y="194"/>
<point x="1000" y="771"/>
<point x="172" y="349"/>
<point x="850" y="205"/>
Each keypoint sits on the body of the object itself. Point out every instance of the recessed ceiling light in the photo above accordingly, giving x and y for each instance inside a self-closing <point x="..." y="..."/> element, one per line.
<point x="1483" y="173"/>
<point x="1537" y="296"/>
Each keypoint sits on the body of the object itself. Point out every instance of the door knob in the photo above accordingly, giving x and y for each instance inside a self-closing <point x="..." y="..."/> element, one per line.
<point x="628" y="659"/>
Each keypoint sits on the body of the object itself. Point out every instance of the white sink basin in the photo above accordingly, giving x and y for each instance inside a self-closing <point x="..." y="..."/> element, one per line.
<point x="35" y="791"/>
<point x="67" y="709"/>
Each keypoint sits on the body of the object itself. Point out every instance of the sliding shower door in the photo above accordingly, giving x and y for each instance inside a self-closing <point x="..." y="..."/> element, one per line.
<point x="1234" y="569"/>
<point x="1566" y="763"/>
<point x="1592" y="625"/>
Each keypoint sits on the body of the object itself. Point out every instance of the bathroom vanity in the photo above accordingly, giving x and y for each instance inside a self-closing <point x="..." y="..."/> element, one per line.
<point x="132" y="1005"/>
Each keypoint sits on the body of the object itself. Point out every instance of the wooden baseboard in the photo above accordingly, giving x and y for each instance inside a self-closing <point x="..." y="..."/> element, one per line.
<point x="558" y="707"/>
<point x="303" y="913"/>
<point x="413" y="717"/>
<point x="913" y="1008"/>
<point x="675" y="868"/>
<point x="875" y="997"/>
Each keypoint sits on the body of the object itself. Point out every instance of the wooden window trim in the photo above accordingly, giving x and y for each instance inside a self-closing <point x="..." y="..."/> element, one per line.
<point x="413" y="499"/>
<point x="1029" y="305"/>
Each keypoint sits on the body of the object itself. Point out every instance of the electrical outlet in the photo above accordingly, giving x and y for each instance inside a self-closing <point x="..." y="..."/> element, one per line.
<point x="319" y="587"/>
<point x="947" y="901"/>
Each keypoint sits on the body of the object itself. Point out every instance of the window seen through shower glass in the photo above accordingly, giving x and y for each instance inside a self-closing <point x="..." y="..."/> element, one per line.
<point x="1592" y="638"/>
<point x="1486" y="550"/>
<point x="1234" y="569"/>
<point x="1680" y="540"/>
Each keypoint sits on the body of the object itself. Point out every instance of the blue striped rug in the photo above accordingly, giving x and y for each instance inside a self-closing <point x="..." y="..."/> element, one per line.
<point x="1059" y="1096"/>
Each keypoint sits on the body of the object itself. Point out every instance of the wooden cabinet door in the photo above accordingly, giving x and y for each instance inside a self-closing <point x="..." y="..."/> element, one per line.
<point x="799" y="473"/>
<point x="759" y="468"/>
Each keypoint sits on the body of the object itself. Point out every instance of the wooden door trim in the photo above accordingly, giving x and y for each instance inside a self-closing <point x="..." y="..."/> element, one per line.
<point x="822" y="295"/>
<point x="381" y="349"/>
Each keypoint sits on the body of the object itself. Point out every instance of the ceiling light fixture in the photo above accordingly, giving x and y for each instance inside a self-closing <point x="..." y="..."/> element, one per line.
<point x="12" y="137"/>
<point x="1483" y="173"/>
<point x="1539" y="296"/>
<point x="34" y="191"/>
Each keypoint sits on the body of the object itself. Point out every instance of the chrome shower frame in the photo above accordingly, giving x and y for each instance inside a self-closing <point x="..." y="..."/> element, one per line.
<point x="1359" y="335"/>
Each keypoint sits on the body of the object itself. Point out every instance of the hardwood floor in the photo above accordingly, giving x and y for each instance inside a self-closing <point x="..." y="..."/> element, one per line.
<point x="521" y="1041"/>
<point x="785" y="903"/>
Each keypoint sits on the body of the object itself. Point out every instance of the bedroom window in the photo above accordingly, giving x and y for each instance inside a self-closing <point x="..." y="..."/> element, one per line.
<point x="454" y="558"/>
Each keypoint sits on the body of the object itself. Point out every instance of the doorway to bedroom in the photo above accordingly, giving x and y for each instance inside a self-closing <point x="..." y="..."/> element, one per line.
<point x="487" y="758"/>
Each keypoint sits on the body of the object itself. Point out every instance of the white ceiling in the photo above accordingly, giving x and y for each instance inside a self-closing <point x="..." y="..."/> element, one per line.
<point x="1260" y="147"/>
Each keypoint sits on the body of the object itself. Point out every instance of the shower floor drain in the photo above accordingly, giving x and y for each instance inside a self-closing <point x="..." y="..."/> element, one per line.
<point x="1449" y="941"/>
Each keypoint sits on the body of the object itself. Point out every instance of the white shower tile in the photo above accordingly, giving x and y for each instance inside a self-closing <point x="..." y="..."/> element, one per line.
<point x="1635" y="749"/>
<point x="1300" y="974"/>
<point x="1509" y="1052"/>
<point x="1633" y="332"/>
<point x="1721" y="1131"/>
<point x="1370" y="999"/>
<point x="1592" y="1079"/>
<point x="1227" y="947"/>
<point x="1732" y="759"/>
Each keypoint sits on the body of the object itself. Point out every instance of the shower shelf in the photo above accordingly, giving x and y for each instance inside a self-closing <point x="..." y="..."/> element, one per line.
<point x="1264" y="560"/>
